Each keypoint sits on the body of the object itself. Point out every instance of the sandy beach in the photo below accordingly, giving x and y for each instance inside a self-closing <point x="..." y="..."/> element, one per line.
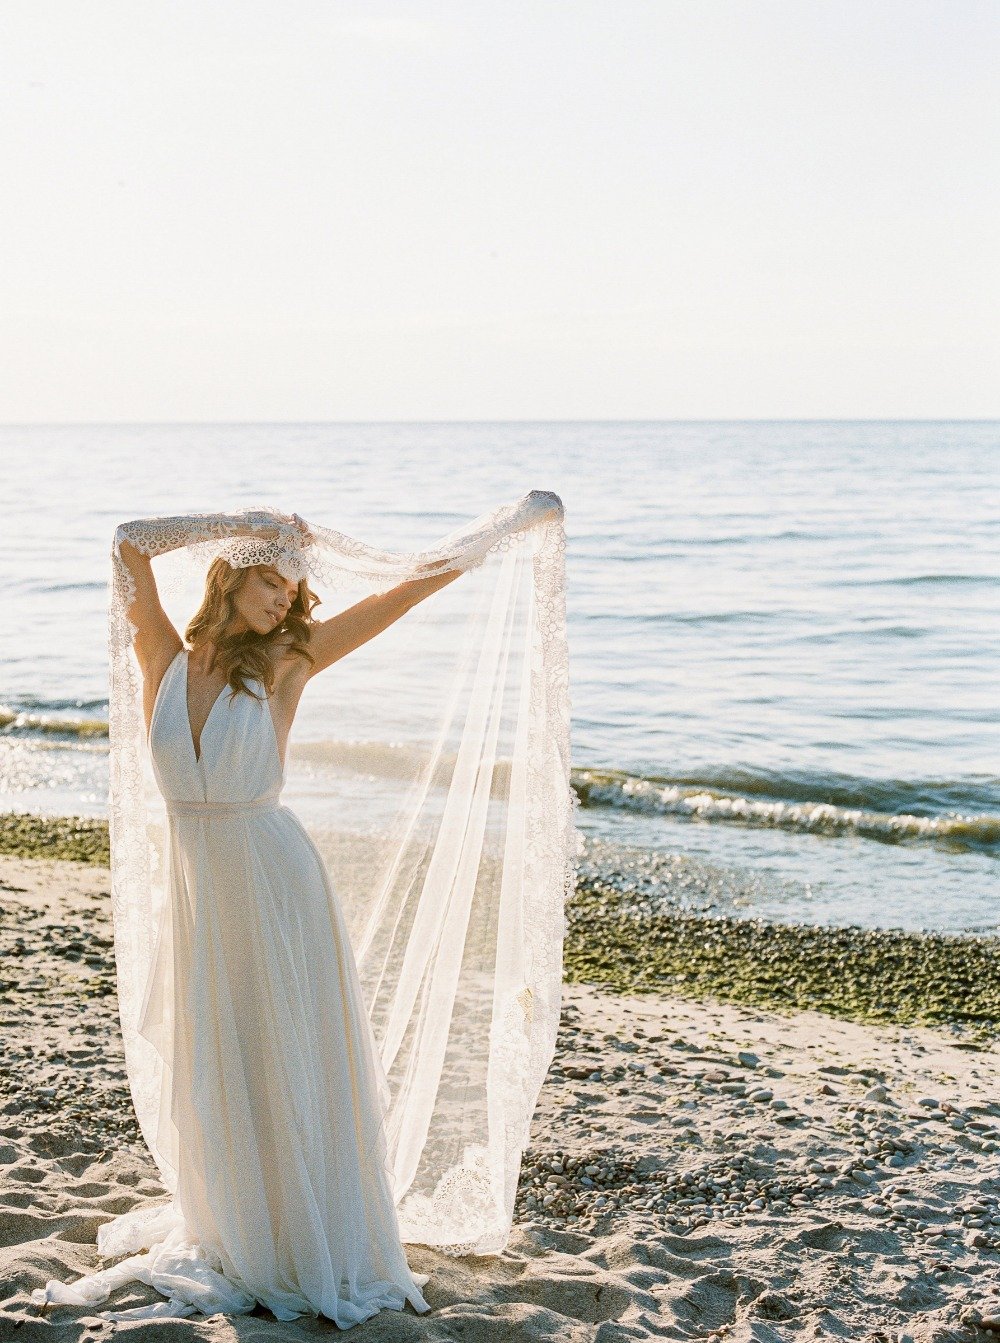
<point x="698" y="1169"/>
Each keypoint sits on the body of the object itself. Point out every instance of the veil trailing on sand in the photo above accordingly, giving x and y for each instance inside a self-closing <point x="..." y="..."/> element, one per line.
<point x="436" y="785"/>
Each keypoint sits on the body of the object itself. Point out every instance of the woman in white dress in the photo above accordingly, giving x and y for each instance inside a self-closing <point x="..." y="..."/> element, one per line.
<point x="272" y="1118"/>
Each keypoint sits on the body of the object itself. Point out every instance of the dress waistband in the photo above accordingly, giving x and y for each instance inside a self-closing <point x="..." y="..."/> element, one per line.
<point x="210" y="810"/>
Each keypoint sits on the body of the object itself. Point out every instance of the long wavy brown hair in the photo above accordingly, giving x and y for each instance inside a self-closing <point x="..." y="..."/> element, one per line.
<point x="249" y="656"/>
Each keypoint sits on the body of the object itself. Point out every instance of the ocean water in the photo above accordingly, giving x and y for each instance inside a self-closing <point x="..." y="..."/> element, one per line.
<point x="783" y="636"/>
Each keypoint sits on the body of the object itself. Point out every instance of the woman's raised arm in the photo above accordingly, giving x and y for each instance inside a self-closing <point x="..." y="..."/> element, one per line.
<point x="156" y="640"/>
<point x="332" y="639"/>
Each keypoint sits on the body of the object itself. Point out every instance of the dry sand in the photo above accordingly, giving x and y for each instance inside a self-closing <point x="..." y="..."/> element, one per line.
<point x="697" y="1170"/>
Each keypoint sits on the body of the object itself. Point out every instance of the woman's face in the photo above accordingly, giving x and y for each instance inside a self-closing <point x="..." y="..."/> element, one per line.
<point x="263" y="601"/>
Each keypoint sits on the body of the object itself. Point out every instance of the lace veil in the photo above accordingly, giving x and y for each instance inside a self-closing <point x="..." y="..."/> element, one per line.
<point x="437" y="790"/>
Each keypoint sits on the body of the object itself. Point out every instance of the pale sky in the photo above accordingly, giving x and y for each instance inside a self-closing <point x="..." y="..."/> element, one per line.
<point x="637" y="209"/>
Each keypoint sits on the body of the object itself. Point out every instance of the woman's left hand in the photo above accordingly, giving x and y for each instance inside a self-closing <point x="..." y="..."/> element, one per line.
<point x="303" y="527"/>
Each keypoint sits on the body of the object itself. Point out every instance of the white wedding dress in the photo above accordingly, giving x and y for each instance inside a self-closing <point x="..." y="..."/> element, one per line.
<point x="313" y="1101"/>
<point x="283" y="1193"/>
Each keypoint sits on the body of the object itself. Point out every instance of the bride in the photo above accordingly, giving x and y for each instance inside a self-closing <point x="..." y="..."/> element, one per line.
<point x="311" y="1104"/>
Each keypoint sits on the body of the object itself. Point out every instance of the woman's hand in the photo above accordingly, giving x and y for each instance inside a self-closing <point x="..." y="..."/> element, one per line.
<point x="549" y="504"/>
<point x="303" y="527"/>
<point x="284" y="522"/>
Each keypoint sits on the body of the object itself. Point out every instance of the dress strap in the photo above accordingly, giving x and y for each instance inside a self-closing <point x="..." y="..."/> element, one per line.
<point x="211" y="810"/>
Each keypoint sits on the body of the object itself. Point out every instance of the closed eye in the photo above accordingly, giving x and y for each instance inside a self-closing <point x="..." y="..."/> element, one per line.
<point x="276" y="583"/>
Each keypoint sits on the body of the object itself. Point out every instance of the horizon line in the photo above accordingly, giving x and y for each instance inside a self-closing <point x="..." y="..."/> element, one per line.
<point x="762" y="419"/>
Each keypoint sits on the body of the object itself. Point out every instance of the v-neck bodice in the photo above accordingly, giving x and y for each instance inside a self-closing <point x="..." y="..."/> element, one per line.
<point x="187" y="699"/>
<point x="239" y="760"/>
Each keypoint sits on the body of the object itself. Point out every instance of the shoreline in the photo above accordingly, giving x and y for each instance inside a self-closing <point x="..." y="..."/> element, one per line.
<point x="629" y="936"/>
<point x="877" y="976"/>
<point x="695" y="1168"/>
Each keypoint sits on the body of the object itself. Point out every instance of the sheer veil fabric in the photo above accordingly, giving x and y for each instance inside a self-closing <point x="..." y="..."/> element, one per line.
<point x="437" y="793"/>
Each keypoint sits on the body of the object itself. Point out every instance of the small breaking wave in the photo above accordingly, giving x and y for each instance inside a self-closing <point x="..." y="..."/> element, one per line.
<point x="24" y="723"/>
<point x="606" y="788"/>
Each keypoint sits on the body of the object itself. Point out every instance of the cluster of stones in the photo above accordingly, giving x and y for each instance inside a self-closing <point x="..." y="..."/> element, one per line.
<point x="577" y="1190"/>
<point x="68" y="942"/>
<point x="973" y="1224"/>
<point x="981" y="1131"/>
<point x="581" y="1190"/>
<point x="968" y="1132"/>
<point x="62" y="1086"/>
